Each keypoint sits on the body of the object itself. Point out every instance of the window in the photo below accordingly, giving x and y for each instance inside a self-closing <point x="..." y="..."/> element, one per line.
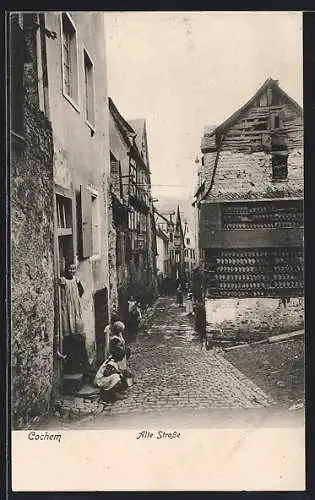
<point x="279" y="167"/>
<point x="277" y="122"/>
<point x="171" y="237"/>
<point x="177" y="257"/>
<point x="64" y="230"/>
<point x="188" y="241"/>
<point x="143" y="224"/>
<point x="95" y="225"/>
<point x="64" y="215"/>
<point x="69" y="60"/>
<point x="89" y="89"/>
<point x="172" y="254"/>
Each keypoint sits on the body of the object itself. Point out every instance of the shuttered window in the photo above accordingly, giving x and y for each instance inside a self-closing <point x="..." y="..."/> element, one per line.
<point x="90" y="223"/>
<point x="86" y="222"/>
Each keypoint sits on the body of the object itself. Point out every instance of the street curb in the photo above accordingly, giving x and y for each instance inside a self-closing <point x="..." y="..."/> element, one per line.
<point x="270" y="340"/>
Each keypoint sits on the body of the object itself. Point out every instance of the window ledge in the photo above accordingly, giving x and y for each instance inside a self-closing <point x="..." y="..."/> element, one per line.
<point x="71" y="101"/>
<point x="279" y="180"/>
<point x="91" y="127"/>
<point x="95" y="257"/>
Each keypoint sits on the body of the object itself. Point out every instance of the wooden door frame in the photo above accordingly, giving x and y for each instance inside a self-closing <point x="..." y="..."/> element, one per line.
<point x="70" y="194"/>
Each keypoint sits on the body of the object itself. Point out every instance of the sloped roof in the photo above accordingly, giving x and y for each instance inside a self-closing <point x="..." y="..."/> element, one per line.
<point x="259" y="190"/>
<point x="231" y="119"/>
<point x="123" y="125"/>
<point x="138" y="126"/>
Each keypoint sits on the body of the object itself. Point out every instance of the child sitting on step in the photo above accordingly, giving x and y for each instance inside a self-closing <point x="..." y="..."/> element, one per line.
<point x="110" y="378"/>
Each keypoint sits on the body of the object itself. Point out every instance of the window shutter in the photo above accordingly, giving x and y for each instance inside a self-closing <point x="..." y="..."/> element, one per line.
<point x="86" y="221"/>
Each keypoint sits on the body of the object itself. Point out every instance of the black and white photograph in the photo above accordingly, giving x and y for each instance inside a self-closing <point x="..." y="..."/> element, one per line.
<point x="157" y="248"/>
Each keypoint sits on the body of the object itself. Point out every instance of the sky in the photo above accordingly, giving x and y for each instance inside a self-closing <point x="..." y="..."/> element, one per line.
<point x="182" y="71"/>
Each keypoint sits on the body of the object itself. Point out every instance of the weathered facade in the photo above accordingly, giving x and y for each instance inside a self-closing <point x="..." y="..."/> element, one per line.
<point x="32" y="230"/>
<point x="128" y="145"/>
<point x="75" y="97"/>
<point x="250" y="212"/>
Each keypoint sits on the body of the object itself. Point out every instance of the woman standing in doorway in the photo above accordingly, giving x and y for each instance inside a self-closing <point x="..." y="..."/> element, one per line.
<point x="74" y="348"/>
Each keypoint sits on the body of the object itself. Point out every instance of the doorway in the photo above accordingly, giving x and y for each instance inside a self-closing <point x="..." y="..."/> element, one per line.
<point x="101" y="320"/>
<point x="65" y="251"/>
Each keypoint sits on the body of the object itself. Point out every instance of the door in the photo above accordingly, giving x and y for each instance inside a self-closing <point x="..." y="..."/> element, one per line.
<point x="101" y="320"/>
<point x="64" y="252"/>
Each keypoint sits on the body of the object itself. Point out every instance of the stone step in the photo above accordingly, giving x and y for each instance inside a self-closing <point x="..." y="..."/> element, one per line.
<point x="72" y="383"/>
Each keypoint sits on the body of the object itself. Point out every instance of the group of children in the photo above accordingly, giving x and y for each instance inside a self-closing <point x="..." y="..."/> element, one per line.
<point x="113" y="376"/>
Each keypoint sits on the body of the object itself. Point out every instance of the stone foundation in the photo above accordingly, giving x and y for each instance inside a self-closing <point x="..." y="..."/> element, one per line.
<point x="255" y="317"/>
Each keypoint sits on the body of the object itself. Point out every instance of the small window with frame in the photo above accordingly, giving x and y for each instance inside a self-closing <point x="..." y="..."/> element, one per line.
<point x="69" y="60"/>
<point x="276" y="122"/>
<point x="64" y="213"/>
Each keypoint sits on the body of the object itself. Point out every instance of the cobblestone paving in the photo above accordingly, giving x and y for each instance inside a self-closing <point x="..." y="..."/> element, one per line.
<point x="174" y="373"/>
<point x="174" y="376"/>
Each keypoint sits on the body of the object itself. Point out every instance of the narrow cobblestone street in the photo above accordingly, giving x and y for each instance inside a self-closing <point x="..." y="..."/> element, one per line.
<point x="176" y="379"/>
<point x="173" y="372"/>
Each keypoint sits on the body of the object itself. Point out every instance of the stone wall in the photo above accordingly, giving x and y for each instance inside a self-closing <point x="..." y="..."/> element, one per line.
<point x="32" y="270"/>
<point x="255" y="318"/>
